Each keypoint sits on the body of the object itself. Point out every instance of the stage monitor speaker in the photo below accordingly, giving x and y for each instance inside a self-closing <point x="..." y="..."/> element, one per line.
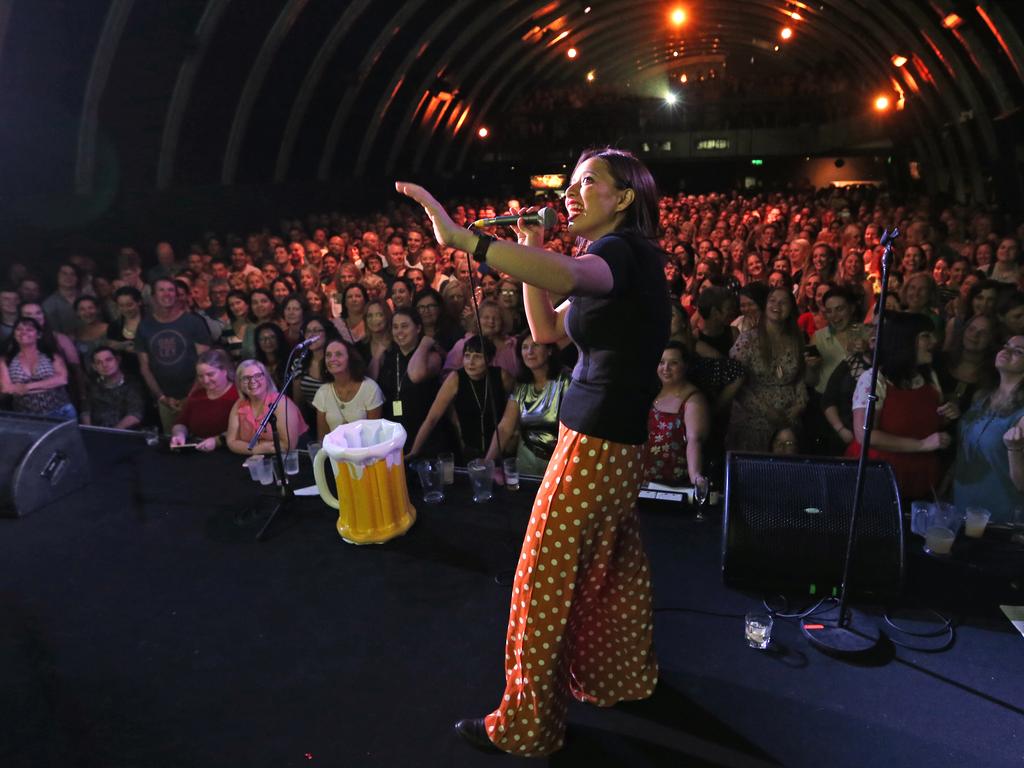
<point x="41" y="460"/>
<point x="786" y="524"/>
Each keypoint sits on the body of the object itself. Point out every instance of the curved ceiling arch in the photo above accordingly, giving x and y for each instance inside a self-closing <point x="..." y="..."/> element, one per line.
<point x="297" y="114"/>
<point x="469" y="34"/>
<point x="254" y="82"/>
<point x="373" y="54"/>
<point x="605" y="31"/>
<point x="482" y="53"/>
<point x="398" y="79"/>
<point x="207" y="25"/>
<point x="99" y="72"/>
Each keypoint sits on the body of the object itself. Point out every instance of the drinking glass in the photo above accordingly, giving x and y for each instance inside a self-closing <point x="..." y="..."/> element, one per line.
<point x="431" y="473"/>
<point x="448" y="466"/>
<point x="511" y="469"/>
<point x="938" y="540"/>
<point x="701" y="489"/>
<point x="758" y="629"/>
<point x="481" y="475"/>
<point x="291" y="463"/>
<point x="975" y="521"/>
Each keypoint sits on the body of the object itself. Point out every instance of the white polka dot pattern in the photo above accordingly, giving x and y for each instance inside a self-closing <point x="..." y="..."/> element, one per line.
<point x="586" y="598"/>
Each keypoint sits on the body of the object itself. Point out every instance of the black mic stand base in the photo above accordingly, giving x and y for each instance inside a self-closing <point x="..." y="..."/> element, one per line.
<point x="855" y="635"/>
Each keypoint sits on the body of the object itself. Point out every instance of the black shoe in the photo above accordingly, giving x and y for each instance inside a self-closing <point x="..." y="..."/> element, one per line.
<point x="473" y="730"/>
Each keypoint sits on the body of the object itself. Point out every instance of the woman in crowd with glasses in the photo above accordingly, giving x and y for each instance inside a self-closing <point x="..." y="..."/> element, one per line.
<point x="257" y="392"/>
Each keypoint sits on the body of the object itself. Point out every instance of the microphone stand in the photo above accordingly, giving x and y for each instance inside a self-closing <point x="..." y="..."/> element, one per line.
<point x="285" y="493"/>
<point x="846" y="632"/>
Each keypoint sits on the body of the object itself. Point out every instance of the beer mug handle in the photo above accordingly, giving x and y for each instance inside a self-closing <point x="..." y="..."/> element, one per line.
<point x="321" y="479"/>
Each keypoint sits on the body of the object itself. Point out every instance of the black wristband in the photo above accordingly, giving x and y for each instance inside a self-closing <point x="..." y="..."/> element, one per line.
<point x="480" y="252"/>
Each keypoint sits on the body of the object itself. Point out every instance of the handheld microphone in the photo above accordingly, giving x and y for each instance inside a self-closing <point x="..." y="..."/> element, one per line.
<point x="546" y="217"/>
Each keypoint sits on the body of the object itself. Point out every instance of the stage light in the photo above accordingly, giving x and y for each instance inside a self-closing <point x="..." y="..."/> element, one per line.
<point x="587" y="9"/>
<point x="881" y="103"/>
<point x="678" y="17"/>
<point x="670" y="98"/>
<point x="571" y="53"/>
<point x="786" y="33"/>
<point x="483" y="133"/>
<point x="952" y="21"/>
<point x="897" y="60"/>
<point x="776" y="49"/>
<point x="683" y="78"/>
<point x="590" y="76"/>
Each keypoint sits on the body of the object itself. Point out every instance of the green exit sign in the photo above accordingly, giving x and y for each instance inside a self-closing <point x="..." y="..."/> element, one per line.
<point x="757" y="161"/>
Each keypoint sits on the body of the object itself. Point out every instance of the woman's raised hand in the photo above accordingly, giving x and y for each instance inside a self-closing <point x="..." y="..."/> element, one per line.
<point x="445" y="230"/>
<point x="1013" y="438"/>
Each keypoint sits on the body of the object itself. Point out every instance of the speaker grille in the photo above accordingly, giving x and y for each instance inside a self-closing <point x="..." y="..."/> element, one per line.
<point x="787" y="519"/>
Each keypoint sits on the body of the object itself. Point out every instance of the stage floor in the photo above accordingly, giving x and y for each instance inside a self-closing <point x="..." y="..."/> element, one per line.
<point x="141" y="626"/>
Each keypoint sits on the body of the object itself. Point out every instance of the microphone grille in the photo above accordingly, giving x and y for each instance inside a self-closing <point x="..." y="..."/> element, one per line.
<point x="548" y="217"/>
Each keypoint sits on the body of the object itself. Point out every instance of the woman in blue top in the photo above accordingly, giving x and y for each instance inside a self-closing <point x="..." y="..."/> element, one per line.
<point x="989" y="469"/>
<point x="580" y="623"/>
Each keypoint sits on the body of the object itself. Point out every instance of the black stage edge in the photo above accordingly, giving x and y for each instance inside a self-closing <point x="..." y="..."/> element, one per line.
<point x="142" y="627"/>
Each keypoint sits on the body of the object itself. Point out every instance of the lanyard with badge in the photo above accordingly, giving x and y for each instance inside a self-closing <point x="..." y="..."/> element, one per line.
<point x="396" y="405"/>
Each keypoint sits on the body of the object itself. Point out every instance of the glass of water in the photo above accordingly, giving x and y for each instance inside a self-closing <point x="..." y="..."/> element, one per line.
<point x="758" y="629"/>
<point x="701" y="489"/>
<point x="510" y="468"/>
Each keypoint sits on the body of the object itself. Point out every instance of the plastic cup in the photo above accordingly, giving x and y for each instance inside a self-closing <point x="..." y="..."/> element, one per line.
<point x="313" y="449"/>
<point x="253" y="465"/>
<point x="481" y="475"/>
<point x="448" y="467"/>
<point x="975" y="521"/>
<point x="510" y="467"/>
<point x="921" y="513"/>
<point x="291" y="463"/>
<point x="431" y="474"/>
<point x="758" y="629"/>
<point x="938" y="540"/>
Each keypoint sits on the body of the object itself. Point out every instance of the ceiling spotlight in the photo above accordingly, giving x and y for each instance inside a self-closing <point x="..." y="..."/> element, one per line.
<point x="786" y="33"/>
<point x="483" y="133"/>
<point x="897" y="60"/>
<point x="587" y="9"/>
<point x="678" y="17"/>
<point x="590" y="76"/>
<point x="683" y="78"/>
<point x="670" y="98"/>
<point x="571" y="53"/>
<point x="675" y="54"/>
<point x="776" y="48"/>
<point x="952" y="21"/>
<point x="881" y="103"/>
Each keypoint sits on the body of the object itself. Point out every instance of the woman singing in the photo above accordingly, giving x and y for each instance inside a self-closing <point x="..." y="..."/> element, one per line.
<point x="580" y="623"/>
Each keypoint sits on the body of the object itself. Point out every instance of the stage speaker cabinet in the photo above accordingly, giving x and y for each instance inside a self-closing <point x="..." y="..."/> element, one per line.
<point x="786" y="523"/>
<point x="41" y="460"/>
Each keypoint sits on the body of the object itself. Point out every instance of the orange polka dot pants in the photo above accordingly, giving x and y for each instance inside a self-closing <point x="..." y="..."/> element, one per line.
<point x="581" y="621"/>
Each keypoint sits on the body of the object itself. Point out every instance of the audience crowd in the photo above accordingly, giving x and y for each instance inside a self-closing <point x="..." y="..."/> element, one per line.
<point x="774" y="296"/>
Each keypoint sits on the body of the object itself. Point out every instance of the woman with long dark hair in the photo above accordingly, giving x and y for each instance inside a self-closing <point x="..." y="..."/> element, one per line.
<point x="595" y="640"/>
<point x="529" y="427"/>
<point x="910" y="417"/>
<point x="35" y="374"/>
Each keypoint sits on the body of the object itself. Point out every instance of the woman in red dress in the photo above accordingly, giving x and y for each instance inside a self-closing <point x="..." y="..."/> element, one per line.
<point x="910" y="416"/>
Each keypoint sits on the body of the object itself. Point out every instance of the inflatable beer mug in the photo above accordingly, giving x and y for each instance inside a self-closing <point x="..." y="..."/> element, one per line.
<point x="373" y="500"/>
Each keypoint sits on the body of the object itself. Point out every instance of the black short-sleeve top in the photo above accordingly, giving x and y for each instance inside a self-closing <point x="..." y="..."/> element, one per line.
<point x="620" y="338"/>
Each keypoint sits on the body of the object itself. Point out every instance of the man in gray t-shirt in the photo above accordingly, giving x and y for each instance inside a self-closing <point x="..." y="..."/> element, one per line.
<point x="168" y="344"/>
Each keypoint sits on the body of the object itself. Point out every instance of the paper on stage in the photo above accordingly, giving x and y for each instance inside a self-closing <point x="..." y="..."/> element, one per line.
<point x="309" y="490"/>
<point x="1015" y="613"/>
